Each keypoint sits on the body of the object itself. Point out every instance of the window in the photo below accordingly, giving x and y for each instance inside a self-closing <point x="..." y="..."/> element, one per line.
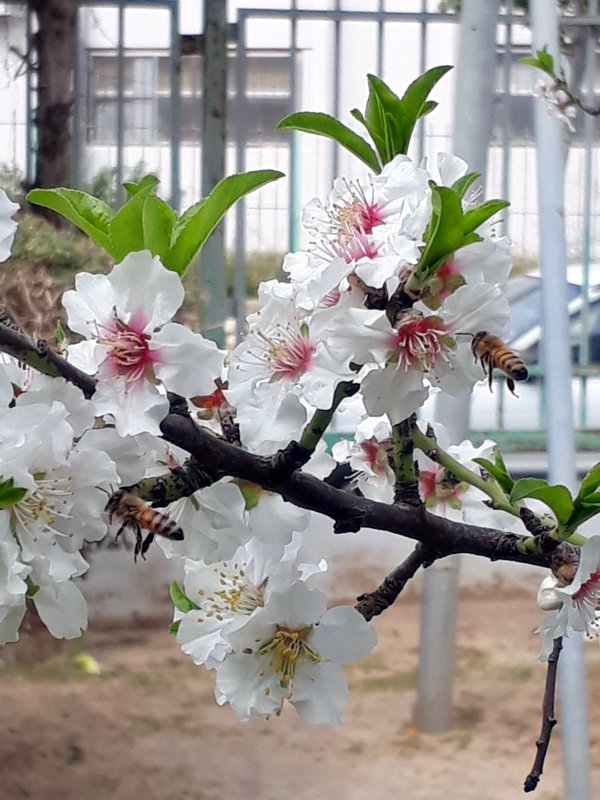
<point x="147" y="107"/>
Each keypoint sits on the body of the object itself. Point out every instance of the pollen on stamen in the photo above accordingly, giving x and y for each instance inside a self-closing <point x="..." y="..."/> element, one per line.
<point x="420" y="341"/>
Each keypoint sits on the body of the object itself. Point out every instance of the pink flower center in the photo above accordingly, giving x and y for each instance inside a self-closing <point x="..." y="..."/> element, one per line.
<point x="331" y="299"/>
<point x="356" y="247"/>
<point x="587" y="599"/>
<point x="437" y="486"/>
<point x="419" y="341"/>
<point x="129" y="354"/>
<point x="289" y="354"/>
<point x="376" y="455"/>
<point x="359" y="215"/>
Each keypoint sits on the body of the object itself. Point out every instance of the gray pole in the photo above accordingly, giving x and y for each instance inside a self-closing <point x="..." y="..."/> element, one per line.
<point x="214" y="99"/>
<point x="472" y="130"/>
<point x="556" y="359"/>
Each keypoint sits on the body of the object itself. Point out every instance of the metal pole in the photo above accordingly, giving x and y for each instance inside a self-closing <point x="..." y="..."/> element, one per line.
<point x="556" y="358"/>
<point x="472" y="132"/>
<point x="120" y="100"/>
<point x="239" y="265"/>
<point x="294" y="194"/>
<point x="214" y="82"/>
<point x="175" y="122"/>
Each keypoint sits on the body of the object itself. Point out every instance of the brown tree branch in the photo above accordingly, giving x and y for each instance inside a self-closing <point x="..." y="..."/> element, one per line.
<point x="217" y="459"/>
<point x="548" y="719"/>
<point x="373" y="603"/>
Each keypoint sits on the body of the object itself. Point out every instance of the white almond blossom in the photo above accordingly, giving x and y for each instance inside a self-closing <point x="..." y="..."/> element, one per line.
<point x="132" y="345"/>
<point x="64" y="485"/>
<point x="213" y="521"/>
<point x="8" y="226"/>
<point x="13" y="586"/>
<point x="575" y="607"/>
<point x="227" y="594"/>
<point x="558" y="103"/>
<point x="292" y="648"/>
<point x="369" y="458"/>
<point x="421" y="346"/>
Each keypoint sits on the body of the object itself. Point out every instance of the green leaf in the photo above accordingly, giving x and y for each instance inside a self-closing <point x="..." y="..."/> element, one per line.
<point x="326" y="125"/>
<point x="590" y="482"/>
<point x="444" y="233"/>
<point x="475" y="217"/>
<point x="592" y="499"/>
<point x="542" y="60"/>
<point x="498" y="471"/>
<point x="180" y="600"/>
<point x="195" y="226"/>
<point x="149" y="181"/>
<point x="383" y="115"/>
<point x="557" y="497"/>
<point x="158" y="220"/>
<point x="90" y="215"/>
<point x="525" y="486"/>
<point x="427" y="107"/>
<point x="10" y="494"/>
<point x="127" y="230"/>
<point x="414" y="101"/>
<point x="462" y="185"/>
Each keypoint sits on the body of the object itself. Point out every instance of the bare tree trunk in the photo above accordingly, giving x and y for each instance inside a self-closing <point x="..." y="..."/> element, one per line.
<point x="55" y="49"/>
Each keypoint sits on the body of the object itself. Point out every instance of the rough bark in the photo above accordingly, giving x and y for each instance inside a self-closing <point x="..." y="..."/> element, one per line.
<point x="54" y="47"/>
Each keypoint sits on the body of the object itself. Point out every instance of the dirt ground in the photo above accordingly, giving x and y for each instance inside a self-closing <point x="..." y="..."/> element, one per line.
<point x="148" y="728"/>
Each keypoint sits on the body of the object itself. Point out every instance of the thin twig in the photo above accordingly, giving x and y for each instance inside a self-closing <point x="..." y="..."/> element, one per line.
<point x="373" y="603"/>
<point x="548" y="719"/>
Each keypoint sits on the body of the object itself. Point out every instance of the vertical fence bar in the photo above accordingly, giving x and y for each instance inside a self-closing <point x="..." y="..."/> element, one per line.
<point x="294" y="194"/>
<point x="239" y="273"/>
<point x="120" y="138"/>
<point x="586" y="244"/>
<point x="380" y="39"/>
<point x="214" y="100"/>
<point x="337" y="81"/>
<point x="175" y="108"/>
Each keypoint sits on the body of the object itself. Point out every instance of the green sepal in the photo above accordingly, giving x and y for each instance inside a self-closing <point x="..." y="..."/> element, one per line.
<point x="180" y="600"/>
<point x="32" y="588"/>
<point x="174" y="626"/>
<point x="10" y="494"/>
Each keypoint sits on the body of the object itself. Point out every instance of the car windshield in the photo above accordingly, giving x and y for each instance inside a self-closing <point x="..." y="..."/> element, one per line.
<point x="525" y="298"/>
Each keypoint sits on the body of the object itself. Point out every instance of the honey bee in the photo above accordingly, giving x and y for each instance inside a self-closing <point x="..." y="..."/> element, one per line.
<point x="492" y="352"/>
<point x="128" y="507"/>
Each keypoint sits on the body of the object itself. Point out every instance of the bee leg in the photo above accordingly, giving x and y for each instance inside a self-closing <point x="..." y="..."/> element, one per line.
<point x="147" y="543"/>
<point x="511" y="385"/>
<point x="489" y="368"/>
<point x="138" y="543"/>
<point x="120" y="531"/>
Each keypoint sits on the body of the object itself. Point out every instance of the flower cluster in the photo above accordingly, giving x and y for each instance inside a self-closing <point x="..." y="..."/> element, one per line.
<point x="361" y="308"/>
<point x="331" y="321"/>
